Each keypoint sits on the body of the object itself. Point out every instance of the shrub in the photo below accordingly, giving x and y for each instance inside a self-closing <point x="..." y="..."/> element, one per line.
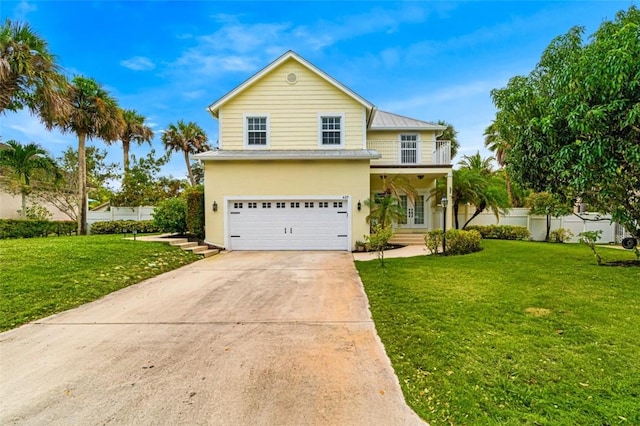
<point x="170" y="215"/>
<point x="501" y="232"/>
<point x="120" y="226"/>
<point x="195" y="211"/>
<point x="38" y="212"/>
<point x="433" y="240"/>
<point x="463" y="242"/>
<point x="17" y="228"/>
<point x="560" y="235"/>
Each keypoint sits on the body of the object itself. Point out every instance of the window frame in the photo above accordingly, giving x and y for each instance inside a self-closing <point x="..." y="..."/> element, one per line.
<point x="321" y="116"/>
<point x="245" y="130"/>
<point x="418" y="147"/>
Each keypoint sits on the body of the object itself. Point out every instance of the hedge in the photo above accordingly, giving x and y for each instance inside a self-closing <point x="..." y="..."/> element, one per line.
<point x="21" y="228"/>
<point x="463" y="242"/>
<point x="121" y="226"/>
<point x="195" y="212"/>
<point x="501" y="232"/>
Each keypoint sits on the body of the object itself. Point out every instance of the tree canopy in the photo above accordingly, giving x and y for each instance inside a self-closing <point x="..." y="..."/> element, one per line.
<point x="573" y="124"/>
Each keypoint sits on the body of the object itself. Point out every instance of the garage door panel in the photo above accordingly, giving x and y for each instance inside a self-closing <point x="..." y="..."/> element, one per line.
<point x="288" y="225"/>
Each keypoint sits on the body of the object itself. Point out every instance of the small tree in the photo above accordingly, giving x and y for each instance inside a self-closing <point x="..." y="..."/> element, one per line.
<point x="545" y="204"/>
<point x="590" y="238"/>
<point x="379" y="239"/>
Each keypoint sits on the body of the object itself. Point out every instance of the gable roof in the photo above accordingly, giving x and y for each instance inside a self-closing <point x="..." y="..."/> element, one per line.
<point x="383" y="120"/>
<point x="214" y="107"/>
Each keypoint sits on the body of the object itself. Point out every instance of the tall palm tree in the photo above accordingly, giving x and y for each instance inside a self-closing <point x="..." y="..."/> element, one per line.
<point x="94" y="114"/>
<point x="22" y="162"/>
<point x="495" y="143"/>
<point x="498" y="145"/>
<point x="188" y="138"/>
<point x="134" y="131"/>
<point x="29" y="75"/>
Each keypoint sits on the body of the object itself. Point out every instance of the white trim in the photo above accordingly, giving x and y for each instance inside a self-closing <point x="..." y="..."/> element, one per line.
<point x="227" y="198"/>
<point x="247" y="115"/>
<point x="364" y="128"/>
<point x="343" y="126"/>
<point x="220" y="133"/>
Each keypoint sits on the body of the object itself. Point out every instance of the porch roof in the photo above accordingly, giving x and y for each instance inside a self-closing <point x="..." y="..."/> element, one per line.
<point x="289" y="154"/>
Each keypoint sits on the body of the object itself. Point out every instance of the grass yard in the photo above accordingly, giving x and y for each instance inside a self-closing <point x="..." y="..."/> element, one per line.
<point x="519" y="333"/>
<point x="42" y="276"/>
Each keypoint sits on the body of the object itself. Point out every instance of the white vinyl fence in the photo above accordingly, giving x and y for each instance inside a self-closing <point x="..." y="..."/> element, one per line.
<point x="120" y="213"/>
<point x="537" y="225"/>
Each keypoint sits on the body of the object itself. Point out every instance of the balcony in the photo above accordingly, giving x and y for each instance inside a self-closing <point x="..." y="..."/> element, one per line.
<point x="411" y="153"/>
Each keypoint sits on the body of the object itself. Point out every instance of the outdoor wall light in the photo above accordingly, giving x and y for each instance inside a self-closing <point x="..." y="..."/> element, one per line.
<point x="359" y="205"/>
<point x="215" y="206"/>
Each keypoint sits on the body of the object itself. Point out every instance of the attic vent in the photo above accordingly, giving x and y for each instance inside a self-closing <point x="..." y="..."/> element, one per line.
<point x="292" y="78"/>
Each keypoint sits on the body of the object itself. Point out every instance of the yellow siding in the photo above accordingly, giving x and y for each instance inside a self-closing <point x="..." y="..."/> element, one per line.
<point x="427" y="141"/>
<point x="293" y="110"/>
<point x="285" y="178"/>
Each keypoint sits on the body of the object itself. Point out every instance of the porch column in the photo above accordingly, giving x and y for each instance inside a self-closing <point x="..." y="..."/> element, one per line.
<point x="450" y="222"/>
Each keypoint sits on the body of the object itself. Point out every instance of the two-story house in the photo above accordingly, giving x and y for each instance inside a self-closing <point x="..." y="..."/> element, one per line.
<point x="299" y="153"/>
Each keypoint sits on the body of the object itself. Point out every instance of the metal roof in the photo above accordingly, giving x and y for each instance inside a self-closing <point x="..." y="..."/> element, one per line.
<point x="383" y="120"/>
<point x="289" y="154"/>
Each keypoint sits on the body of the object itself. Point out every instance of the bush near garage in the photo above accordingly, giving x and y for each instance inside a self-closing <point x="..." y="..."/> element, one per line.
<point x="195" y="211"/>
<point x="501" y="232"/>
<point x="170" y="215"/>
<point x="20" y="228"/>
<point x="463" y="242"/>
<point x="121" y="226"/>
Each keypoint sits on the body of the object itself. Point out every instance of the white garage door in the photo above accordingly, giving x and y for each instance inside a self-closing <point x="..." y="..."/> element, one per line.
<point x="288" y="225"/>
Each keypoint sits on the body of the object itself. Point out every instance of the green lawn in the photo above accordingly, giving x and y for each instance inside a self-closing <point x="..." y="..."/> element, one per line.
<point x="519" y="333"/>
<point x="42" y="276"/>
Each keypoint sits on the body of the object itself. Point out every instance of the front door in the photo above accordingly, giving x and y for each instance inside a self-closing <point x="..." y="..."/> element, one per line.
<point x="414" y="212"/>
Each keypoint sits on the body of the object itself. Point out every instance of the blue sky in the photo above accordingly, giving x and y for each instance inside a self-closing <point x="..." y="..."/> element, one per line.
<point x="170" y="59"/>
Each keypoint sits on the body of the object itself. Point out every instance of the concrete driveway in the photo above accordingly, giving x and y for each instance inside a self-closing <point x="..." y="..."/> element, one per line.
<point x="245" y="338"/>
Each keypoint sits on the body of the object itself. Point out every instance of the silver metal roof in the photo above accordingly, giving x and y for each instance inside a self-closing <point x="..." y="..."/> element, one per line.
<point x="383" y="120"/>
<point x="289" y="154"/>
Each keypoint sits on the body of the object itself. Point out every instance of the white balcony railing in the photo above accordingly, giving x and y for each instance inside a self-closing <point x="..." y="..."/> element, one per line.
<point x="420" y="153"/>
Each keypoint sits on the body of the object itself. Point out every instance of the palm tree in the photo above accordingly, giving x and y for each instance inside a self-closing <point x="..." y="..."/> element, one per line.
<point x="29" y="75"/>
<point x="94" y="114"/>
<point x="134" y="131"/>
<point x="450" y="134"/>
<point x="477" y="163"/>
<point x="384" y="210"/>
<point x="23" y="162"/>
<point x="496" y="144"/>
<point x="188" y="138"/>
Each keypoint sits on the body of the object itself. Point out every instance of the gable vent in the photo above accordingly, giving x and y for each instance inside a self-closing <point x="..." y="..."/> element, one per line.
<point x="292" y="78"/>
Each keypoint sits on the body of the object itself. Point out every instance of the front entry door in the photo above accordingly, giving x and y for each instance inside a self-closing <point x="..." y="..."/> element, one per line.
<point x="414" y="212"/>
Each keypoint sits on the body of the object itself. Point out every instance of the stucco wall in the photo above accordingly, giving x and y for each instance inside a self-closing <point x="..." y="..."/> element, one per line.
<point x="285" y="178"/>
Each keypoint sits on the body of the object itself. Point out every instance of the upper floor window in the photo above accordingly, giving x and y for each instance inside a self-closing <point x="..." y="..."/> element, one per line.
<point x="256" y="130"/>
<point x="409" y="153"/>
<point x="331" y="132"/>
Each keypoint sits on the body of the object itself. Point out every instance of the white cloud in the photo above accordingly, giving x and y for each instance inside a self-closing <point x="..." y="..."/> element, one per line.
<point x="138" y="63"/>
<point x="22" y="10"/>
<point x="27" y="128"/>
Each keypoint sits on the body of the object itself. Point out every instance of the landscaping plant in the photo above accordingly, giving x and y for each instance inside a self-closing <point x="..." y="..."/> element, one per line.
<point x="589" y="238"/>
<point x="379" y="239"/>
<point x="433" y="240"/>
